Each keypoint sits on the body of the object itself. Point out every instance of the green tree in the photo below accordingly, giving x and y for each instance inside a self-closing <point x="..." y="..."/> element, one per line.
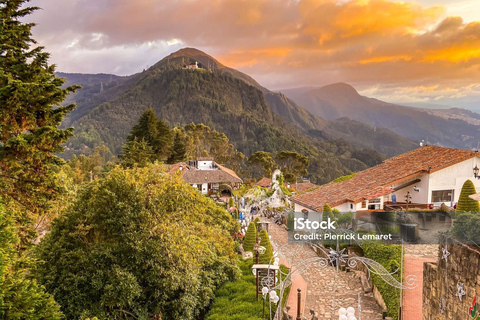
<point x="250" y="237"/>
<point x="21" y="297"/>
<point x="138" y="153"/>
<point x="265" y="258"/>
<point x="123" y="250"/>
<point x="465" y="203"/>
<point x="155" y="132"/>
<point x="292" y="164"/>
<point x="263" y="160"/>
<point x="179" y="150"/>
<point x="30" y="112"/>
<point x="327" y="213"/>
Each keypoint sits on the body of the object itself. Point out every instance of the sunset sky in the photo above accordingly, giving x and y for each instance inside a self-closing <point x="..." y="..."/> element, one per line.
<point x="399" y="51"/>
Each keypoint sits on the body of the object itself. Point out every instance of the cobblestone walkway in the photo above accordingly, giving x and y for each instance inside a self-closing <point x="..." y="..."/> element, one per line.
<point x="327" y="290"/>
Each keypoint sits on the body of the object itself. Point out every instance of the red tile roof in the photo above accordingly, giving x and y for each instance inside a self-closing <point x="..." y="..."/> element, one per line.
<point x="376" y="181"/>
<point x="264" y="182"/>
<point x="303" y="186"/>
<point x="193" y="175"/>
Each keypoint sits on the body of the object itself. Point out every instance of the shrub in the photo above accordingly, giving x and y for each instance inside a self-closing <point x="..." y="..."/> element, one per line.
<point x="466" y="227"/>
<point x="291" y="221"/>
<point x="250" y="237"/>
<point x="237" y="300"/>
<point x="465" y="203"/>
<point x="266" y="258"/>
<point x="389" y="256"/>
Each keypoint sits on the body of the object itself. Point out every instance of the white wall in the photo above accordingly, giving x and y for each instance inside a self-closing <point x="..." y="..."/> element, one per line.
<point x="454" y="177"/>
<point x="205" y="165"/>
<point x="420" y="196"/>
<point x="204" y="188"/>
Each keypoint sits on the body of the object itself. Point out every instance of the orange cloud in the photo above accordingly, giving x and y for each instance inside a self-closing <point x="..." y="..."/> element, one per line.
<point x="301" y="42"/>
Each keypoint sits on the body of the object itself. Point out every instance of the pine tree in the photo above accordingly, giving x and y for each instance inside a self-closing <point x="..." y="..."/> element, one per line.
<point x="155" y="132"/>
<point x="138" y="153"/>
<point x="179" y="150"/>
<point x="250" y="237"/>
<point x="30" y="112"/>
<point x="465" y="203"/>
<point x="265" y="258"/>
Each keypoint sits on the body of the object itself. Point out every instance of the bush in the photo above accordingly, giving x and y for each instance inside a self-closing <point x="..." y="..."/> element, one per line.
<point x="265" y="258"/>
<point x="291" y="221"/>
<point x="465" y="203"/>
<point x="466" y="227"/>
<point x="250" y="237"/>
<point x="389" y="256"/>
<point x="237" y="300"/>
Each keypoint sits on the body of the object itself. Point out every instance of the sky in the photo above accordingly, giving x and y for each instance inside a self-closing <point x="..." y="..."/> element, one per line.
<point x="423" y="51"/>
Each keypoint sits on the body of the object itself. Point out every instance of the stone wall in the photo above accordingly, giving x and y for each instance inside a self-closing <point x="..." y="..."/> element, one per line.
<point x="440" y="283"/>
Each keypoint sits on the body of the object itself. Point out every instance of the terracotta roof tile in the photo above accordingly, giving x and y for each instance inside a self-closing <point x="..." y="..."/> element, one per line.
<point x="264" y="182"/>
<point x="376" y="181"/>
<point x="302" y="187"/>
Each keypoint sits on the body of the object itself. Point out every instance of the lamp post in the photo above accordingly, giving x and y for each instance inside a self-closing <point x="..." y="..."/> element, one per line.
<point x="299" y="300"/>
<point x="273" y="297"/>
<point x="346" y="314"/>
<point x="258" y="251"/>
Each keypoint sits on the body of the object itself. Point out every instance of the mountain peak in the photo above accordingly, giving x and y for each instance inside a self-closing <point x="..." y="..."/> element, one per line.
<point x="194" y="54"/>
<point x="340" y="88"/>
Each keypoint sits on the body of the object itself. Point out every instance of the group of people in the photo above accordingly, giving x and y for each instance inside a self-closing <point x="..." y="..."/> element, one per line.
<point x="254" y="210"/>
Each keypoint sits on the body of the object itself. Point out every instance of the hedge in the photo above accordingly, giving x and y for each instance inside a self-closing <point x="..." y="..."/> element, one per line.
<point x="389" y="256"/>
<point x="237" y="300"/>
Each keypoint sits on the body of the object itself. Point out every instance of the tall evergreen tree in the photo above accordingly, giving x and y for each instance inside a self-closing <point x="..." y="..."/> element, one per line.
<point x="179" y="150"/>
<point x="155" y="132"/>
<point x="138" y="153"/>
<point x="30" y="112"/>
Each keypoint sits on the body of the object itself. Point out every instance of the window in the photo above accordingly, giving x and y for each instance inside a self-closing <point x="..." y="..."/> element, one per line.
<point x="364" y="204"/>
<point x="374" y="204"/>
<point x="442" y="196"/>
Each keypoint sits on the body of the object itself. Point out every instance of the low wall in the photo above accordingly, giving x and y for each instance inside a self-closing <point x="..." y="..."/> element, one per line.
<point x="440" y="283"/>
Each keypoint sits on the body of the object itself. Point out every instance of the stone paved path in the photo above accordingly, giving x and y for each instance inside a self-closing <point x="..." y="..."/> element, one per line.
<point x="321" y="284"/>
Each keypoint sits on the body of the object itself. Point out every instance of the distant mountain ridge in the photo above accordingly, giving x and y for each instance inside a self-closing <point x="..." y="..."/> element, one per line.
<point x="342" y="100"/>
<point x="253" y="118"/>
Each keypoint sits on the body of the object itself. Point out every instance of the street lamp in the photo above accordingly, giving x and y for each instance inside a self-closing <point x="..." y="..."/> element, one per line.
<point x="475" y="172"/>
<point x="346" y="314"/>
<point x="273" y="297"/>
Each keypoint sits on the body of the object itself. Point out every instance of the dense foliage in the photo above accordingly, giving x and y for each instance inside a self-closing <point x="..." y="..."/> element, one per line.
<point x="389" y="256"/>
<point x="22" y="297"/>
<point x="138" y="243"/>
<point x="237" y="300"/>
<point x="466" y="227"/>
<point x="30" y="112"/>
<point x="465" y="203"/>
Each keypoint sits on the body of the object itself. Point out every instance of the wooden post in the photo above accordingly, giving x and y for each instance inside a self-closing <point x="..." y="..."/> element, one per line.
<point x="299" y="299"/>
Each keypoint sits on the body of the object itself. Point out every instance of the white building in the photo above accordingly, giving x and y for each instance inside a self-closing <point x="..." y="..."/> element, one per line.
<point x="208" y="176"/>
<point x="429" y="176"/>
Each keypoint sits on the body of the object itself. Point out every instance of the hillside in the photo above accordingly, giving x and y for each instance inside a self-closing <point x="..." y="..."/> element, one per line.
<point x="342" y="100"/>
<point x="252" y="117"/>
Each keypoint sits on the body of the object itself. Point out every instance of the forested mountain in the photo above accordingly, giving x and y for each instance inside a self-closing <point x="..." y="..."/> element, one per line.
<point x="252" y="117"/>
<point x="342" y="100"/>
